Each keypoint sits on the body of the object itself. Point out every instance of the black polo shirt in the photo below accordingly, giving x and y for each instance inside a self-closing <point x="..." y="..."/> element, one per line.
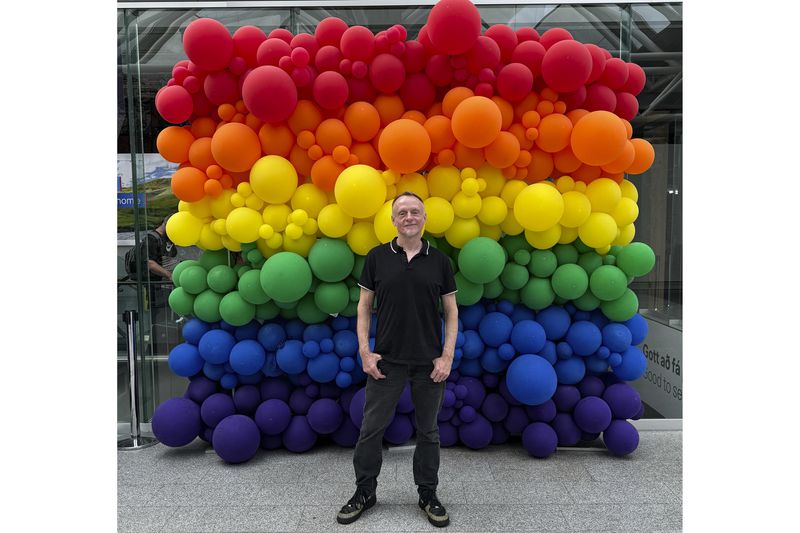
<point x="409" y="328"/>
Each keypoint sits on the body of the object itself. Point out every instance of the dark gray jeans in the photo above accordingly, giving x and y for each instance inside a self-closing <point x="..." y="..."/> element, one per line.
<point x="381" y="400"/>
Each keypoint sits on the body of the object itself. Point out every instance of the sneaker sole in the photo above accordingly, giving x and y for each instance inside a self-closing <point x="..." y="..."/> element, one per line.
<point x="350" y="519"/>
<point x="437" y="521"/>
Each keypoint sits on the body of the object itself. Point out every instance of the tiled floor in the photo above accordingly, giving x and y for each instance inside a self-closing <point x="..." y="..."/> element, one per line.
<point x="500" y="488"/>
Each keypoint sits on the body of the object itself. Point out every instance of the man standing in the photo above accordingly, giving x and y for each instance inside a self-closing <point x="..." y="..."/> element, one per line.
<point x="409" y="278"/>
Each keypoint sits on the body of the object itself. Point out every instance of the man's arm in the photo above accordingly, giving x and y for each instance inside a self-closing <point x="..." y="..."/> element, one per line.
<point x="369" y="359"/>
<point x="155" y="268"/>
<point x="443" y="364"/>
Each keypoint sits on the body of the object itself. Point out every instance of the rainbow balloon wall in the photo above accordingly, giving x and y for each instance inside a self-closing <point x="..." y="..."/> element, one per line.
<point x="291" y="149"/>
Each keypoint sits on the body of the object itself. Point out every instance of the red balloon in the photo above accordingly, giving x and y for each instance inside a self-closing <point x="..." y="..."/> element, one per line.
<point x="636" y="79"/>
<point x="358" y="43"/>
<point x="439" y="71"/>
<point x="192" y="84"/>
<point x="553" y="36"/>
<point x="330" y="89"/>
<point x="574" y="99"/>
<point x="360" y="90"/>
<point x="514" y="82"/>
<point x="271" y="51"/>
<point x="387" y="73"/>
<point x="425" y="40"/>
<point x="208" y="44"/>
<point x="600" y="98"/>
<point x="530" y="54"/>
<point x="615" y="74"/>
<point x="414" y="57"/>
<point x="303" y="76"/>
<point x="304" y="40"/>
<point x="566" y="66"/>
<point x="485" y="53"/>
<point x="329" y="31"/>
<point x="179" y="73"/>
<point x="527" y="34"/>
<point x="269" y="93"/>
<point x="598" y="62"/>
<point x="200" y="104"/>
<point x="506" y="39"/>
<point x="627" y="106"/>
<point x="327" y="58"/>
<point x="484" y="89"/>
<point x="454" y="26"/>
<point x="246" y="41"/>
<point x="174" y="103"/>
<point x="418" y="92"/>
<point x="221" y="87"/>
<point x="281" y="33"/>
<point x="237" y="66"/>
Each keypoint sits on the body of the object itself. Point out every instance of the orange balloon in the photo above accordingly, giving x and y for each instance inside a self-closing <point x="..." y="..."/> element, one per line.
<point x="549" y="94"/>
<point x="324" y="173"/>
<point x="446" y="157"/>
<point x="240" y="107"/>
<point x="435" y="109"/>
<point x="528" y="103"/>
<point x="506" y="110"/>
<point x="565" y="161"/>
<point x="554" y="133"/>
<point x="235" y="147"/>
<point x="226" y="112"/>
<point x="315" y="152"/>
<point x="240" y="177"/>
<point x="214" y="172"/>
<point x="390" y="107"/>
<point x="616" y="177"/>
<point x="643" y="160"/>
<point x="587" y="173"/>
<point x="300" y="160"/>
<point x="366" y="154"/>
<point x="416" y="116"/>
<point x="376" y="139"/>
<point x="173" y="144"/>
<point x="226" y="181"/>
<point x="576" y="114"/>
<point x="200" y="153"/>
<point x="560" y="107"/>
<point x="306" y="116"/>
<point x="519" y="132"/>
<point x="598" y="138"/>
<point x="504" y="151"/>
<point x="438" y="128"/>
<point x="238" y="117"/>
<point x="341" y="154"/>
<point x="531" y="119"/>
<point x="331" y="133"/>
<point x="545" y="107"/>
<point x="187" y="184"/>
<point x="363" y="120"/>
<point x="203" y="127"/>
<point x="253" y="122"/>
<point x="510" y="172"/>
<point x="623" y="161"/>
<point x="523" y="159"/>
<point x="455" y="96"/>
<point x="628" y="128"/>
<point x="467" y="157"/>
<point x="476" y="122"/>
<point x="404" y="146"/>
<point x="541" y="166"/>
<point x="306" y="139"/>
<point x="212" y="188"/>
<point x="276" y="140"/>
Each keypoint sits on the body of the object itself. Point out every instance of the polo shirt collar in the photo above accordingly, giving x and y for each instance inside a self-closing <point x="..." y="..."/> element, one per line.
<point x="396" y="248"/>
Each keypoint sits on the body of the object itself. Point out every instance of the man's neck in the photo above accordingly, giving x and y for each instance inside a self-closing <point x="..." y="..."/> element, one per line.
<point x="412" y="244"/>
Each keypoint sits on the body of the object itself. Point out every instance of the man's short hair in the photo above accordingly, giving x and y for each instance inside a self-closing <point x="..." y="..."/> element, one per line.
<point x="407" y="193"/>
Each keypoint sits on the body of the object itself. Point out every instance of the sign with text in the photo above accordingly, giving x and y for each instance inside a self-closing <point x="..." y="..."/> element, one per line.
<point x="125" y="200"/>
<point x="661" y="386"/>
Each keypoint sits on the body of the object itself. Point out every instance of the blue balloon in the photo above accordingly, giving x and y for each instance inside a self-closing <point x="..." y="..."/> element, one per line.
<point x="325" y="416"/>
<point x="236" y="439"/>
<point x="194" y="329"/>
<point x="617" y="337"/>
<point x="290" y="357"/>
<point x="230" y="328"/>
<point x="506" y="352"/>
<point x="248" y="331"/>
<point x="344" y="380"/>
<point x="633" y="365"/>
<point x="347" y="364"/>
<point x="215" y="346"/>
<point x="602" y="352"/>
<point x="271" y="336"/>
<point x="326" y="345"/>
<point x="250" y="379"/>
<point x="460" y="339"/>
<point x="505" y="307"/>
<point x="495" y="328"/>
<point x="570" y="371"/>
<point x="584" y="337"/>
<point x="471" y="315"/>
<point x="317" y="332"/>
<point x="614" y="359"/>
<point x="596" y="365"/>
<point x="598" y="319"/>
<point x="247" y="357"/>
<point x="185" y="360"/>
<point x="549" y="352"/>
<point x="324" y="368"/>
<point x="340" y="323"/>
<point x="273" y="416"/>
<point x="311" y="349"/>
<point x="492" y="362"/>
<point x="345" y="343"/>
<point x="555" y="321"/>
<point x="564" y="350"/>
<point x="473" y="345"/>
<point x="638" y="326"/>
<point x="581" y="315"/>
<point x="213" y="371"/>
<point x="470" y="367"/>
<point x="528" y="336"/>
<point x="294" y="329"/>
<point x="531" y="380"/>
<point x="271" y="368"/>
<point x="522" y="313"/>
<point x="229" y="381"/>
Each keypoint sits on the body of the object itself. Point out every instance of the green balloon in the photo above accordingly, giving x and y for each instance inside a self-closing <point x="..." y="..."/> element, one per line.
<point x="211" y="258"/>
<point x="289" y="314"/>
<point x="587" y="302"/>
<point x="247" y="246"/>
<point x="355" y="294"/>
<point x="331" y="260"/>
<point x="445" y="247"/>
<point x="537" y="294"/>
<point x="250" y="288"/>
<point x="493" y="289"/>
<point x="308" y="312"/>
<point x="222" y="279"/>
<point x="267" y="311"/>
<point x="235" y="310"/>
<point x="255" y="256"/>
<point x="565" y="253"/>
<point x="287" y="305"/>
<point x="513" y="243"/>
<point x="543" y="263"/>
<point x="609" y="260"/>
<point x="522" y="257"/>
<point x="241" y="269"/>
<point x="511" y="296"/>
<point x="636" y="259"/>
<point x="590" y="261"/>
<point x="468" y="292"/>
<point x="179" y="268"/>
<point x="608" y="283"/>
<point x="181" y="302"/>
<point x="194" y="279"/>
<point x="350" y="310"/>
<point x="286" y="277"/>
<point x="358" y="266"/>
<point x="481" y="260"/>
<point x="623" y="308"/>
<point x="514" y="276"/>
<point x="332" y="298"/>
<point x="558" y="300"/>
<point x="616" y="249"/>
<point x="206" y="306"/>
<point x="581" y="247"/>
<point x="570" y="281"/>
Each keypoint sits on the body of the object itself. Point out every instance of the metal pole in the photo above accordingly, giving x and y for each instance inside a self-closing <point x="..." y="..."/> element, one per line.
<point x="136" y="440"/>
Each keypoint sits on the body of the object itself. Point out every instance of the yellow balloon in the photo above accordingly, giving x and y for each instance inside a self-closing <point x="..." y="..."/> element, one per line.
<point x="494" y="180"/>
<point x="237" y="200"/>
<point x="538" y="207"/>
<point x="577" y="209"/>
<point x="293" y="232"/>
<point x="511" y="189"/>
<point x="219" y="227"/>
<point x="415" y="183"/>
<point x="626" y="234"/>
<point x="361" y="238"/>
<point x="183" y="228"/>
<point x="626" y="212"/>
<point x="470" y="186"/>
<point x="603" y="251"/>
<point x="276" y="216"/>
<point x="544" y="240"/>
<point x="299" y="246"/>
<point x="391" y="192"/>
<point x="231" y="244"/>
<point x="200" y="209"/>
<point x="266" y="232"/>
<point x="333" y="222"/>
<point x="183" y="206"/>
<point x="209" y="239"/>
<point x="276" y="241"/>
<point x="242" y="224"/>
<point x="568" y="235"/>
<point x="221" y="205"/>
<point x="311" y="227"/>
<point x="310" y="199"/>
<point x="265" y="249"/>
<point x="598" y="230"/>
<point x="360" y="191"/>
<point x="493" y="211"/>
<point x="254" y="202"/>
<point x="299" y="217"/>
<point x="444" y="182"/>
<point x="510" y="226"/>
<point x="384" y="229"/>
<point x="493" y="232"/>
<point x="628" y="190"/>
<point x="580" y="186"/>
<point x="466" y="206"/>
<point x="604" y="194"/>
<point x="244" y="189"/>
<point x="462" y="231"/>
<point x="439" y="214"/>
<point x="565" y="184"/>
<point x="273" y="179"/>
<point x="390" y="176"/>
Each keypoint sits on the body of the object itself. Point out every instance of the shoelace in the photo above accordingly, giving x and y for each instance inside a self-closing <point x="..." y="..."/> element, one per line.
<point x="360" y="497"/>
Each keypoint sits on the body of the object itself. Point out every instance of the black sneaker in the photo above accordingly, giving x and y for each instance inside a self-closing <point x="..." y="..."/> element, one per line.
<point x="360" y="502"/>
<point x="428" y="502"/>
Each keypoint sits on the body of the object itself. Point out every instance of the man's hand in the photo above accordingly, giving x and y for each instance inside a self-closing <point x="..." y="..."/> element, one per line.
<point x="369" y="362"/>
<point x="441" y="368"/>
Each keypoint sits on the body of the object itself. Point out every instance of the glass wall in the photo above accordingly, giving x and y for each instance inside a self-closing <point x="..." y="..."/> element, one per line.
<point x="149" y="45"/>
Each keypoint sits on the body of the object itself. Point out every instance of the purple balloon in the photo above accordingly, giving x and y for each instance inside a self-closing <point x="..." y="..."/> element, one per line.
<point x="539" y="440"/>
<point x="236" y="439"/>
<point x="299" y="401"/>
<point x="490" y="381"/>
<point x="217" y="407"/>
<point x="507" y="396"/>
<point x="276" y="388"/>
<point x="346" y="398"/>
<point x="494" y="407"/>
<point x="621" y="438"/>
<point x="639" y="414"/>
<point x="592" y="414"/>
<point x="357" y="407"/>
<point x="516" y="421"/>
<point x="273" y="416"/>
<point x="448" y="435"/>
<point x="347" y="433"/>
<point x="177" y="422"/>
<point x="467" y="413"/>
<point x="476" y="392"/>
<point x="446" y="413"/>
<point x="569" y="434"/>
<point x="271" y="442"/>
<point x="544" y="412"/>
<point x="499" y="433"/>
<point x="591" y="386"/>
<point x="246" y="398"/>
<point x="476" y="434"/>
<point x="200" y="388"/>
<point x="566" y="398"/>
<point x="207" y="434"/>
<point x="399" y="430"/>
<point x="449" y="398"/>
<point x="623" y="400"/>
<point x="405" y="404"/>
<point x="325" y="416"/>
<point x="299" y="437"/>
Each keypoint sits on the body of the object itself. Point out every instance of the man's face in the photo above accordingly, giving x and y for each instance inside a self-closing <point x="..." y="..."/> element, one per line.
<point x="408" y="216"/>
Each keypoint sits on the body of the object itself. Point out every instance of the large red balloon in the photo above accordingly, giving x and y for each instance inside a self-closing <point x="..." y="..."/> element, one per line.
<point x="269" y="93"/>
<point x="514" y="82"/>
<point x="615" y="74"/>
<point x="627" y="106"/>
<point x="530" y="54"/>
<point x="221" y="87"/>
<point x="357" y="43"/>
<point x="418" y="92"/>
<point x="271" y="51"/>
<point x="553" y="36"/>
<point x="454" y="26"/>
<point x="598" y="62"/>
<point x="600" y="98"/>
<point x="505" y="38"/>
<point x="485" y="53"/>
<point x="387" y="73"/>
<point x="566" y="66"/>
<point x="174" y="103"/>
<point x="331" y="90"/>
<point x="246" y="41"/>
<point x="329" y="31"/>
<point x="328" y="58"/>
<point x="208" y="44"/>
<point x="414" y="57"/>
<point x="636" y="79"/>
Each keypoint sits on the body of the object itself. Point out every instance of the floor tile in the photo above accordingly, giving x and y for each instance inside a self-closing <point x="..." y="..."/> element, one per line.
<point x="140" y="519"/>
<point x="611" y="517"/>
<point x="517" y="493"/>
